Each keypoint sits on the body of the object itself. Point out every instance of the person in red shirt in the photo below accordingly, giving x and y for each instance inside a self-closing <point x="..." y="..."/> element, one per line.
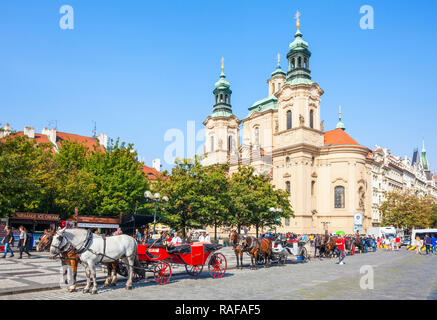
<point x="397" y="243"/>
<point x="340" y="243"/>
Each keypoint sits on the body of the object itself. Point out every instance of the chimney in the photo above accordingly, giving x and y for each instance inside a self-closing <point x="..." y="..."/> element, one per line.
<point x="156" y="164"/>
<point x="30" y="132"/>
<point x="6" y="130"/>
<point x="103" y="140"/>
<point x="51" y="134"/>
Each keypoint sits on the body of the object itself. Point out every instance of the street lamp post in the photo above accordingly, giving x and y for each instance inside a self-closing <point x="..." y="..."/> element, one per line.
<point x="154" y="197"/>
<point x="275" y="211"/>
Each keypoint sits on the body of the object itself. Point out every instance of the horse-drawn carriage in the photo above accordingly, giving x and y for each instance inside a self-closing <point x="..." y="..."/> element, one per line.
<point x="296" y="247"/>
<point x="121" y="254"/>
<point x="158" y="258"/>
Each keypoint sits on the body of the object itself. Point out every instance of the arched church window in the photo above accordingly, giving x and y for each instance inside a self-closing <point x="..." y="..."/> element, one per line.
<point x="221" y="97"/>
<point x="216" y="99"/>
<point x="313" y="187"/>
<point x="339" y="200"/>
<point x="312" y="119"/>
<point x="305" y="61"/>
<point x="230" y="143"/>
<point x="212" y="143"/>
<point x="299" y="62"/>
<point x="273" y="85"/>
<point x="288" y="186"/>
<point x="292" y="63"/>
<point x="289" y="125"/>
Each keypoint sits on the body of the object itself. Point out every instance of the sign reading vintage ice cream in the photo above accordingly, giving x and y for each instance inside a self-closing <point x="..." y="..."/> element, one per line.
<point x="35" y="216"/>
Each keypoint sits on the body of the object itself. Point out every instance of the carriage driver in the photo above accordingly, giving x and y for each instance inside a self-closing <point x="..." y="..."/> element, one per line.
<point x="340" y="243"/>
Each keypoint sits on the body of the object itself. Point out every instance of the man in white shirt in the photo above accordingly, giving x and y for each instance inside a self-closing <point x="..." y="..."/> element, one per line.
<point x="204" y="237"/>
<point x="176" y="239"/>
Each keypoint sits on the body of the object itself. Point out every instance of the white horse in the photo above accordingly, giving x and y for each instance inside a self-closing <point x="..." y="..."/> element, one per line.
<point x="93" y="249"/>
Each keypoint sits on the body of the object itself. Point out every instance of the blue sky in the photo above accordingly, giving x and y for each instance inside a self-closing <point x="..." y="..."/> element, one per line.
<point x="139" y="68"/>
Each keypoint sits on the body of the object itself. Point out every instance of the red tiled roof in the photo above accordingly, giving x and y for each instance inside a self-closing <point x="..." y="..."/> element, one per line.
<point x="87" y="141"/>
<point x="151" y="173"/>
<point x="339" y="137"/>
<point x="63" y="136"/>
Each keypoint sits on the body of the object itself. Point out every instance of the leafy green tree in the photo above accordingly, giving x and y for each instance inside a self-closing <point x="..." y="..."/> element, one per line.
<point x="406" y="210"/>
<point x="24" y="172"/>
<point x="252" y="196"/>
<point x="215" y="197"/>
<point x="183" y="188"/>
<point x="118" y="179"/>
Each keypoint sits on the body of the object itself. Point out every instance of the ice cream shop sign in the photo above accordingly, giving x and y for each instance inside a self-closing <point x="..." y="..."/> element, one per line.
<point x="35" y="216"/>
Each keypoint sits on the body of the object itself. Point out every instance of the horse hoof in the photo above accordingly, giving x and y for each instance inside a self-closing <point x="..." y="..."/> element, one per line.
<point x="85" y="290"/>
<point x="94" y="292"/>
<point x="113" y="284"/>
<point x="129" y="288"/>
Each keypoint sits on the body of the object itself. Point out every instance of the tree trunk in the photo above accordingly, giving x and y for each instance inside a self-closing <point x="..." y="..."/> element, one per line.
<point x="238" y="228"/>
<point x="215" y="232"/>
<point x="257" y="227"/>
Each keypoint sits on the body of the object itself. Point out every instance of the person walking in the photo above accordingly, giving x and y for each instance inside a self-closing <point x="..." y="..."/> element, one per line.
<point x="433" y="244"/>
<point x="427" y="243"/>
<point x="418" y="244"/>
<point x="398" y="243"/>
<point x="340" y="243"/>
<point x="8" y="241"/>
<point x="24" y="242"/>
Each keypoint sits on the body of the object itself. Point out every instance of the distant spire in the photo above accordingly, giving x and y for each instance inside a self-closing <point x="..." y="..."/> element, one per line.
<point x="423" y="145"/>
<point x="297" y="16"/>
<point x="279" y="60"/>
<point x="340" y="124"/>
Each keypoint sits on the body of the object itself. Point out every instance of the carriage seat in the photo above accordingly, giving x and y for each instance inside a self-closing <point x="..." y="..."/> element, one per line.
<point x="183" y="248"/>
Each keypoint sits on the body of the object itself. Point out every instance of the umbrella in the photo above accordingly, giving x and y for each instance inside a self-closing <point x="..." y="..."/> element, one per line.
<point x="340" y="232"/>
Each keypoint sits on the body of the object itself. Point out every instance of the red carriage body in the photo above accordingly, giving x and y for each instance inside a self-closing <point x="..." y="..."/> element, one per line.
<point x="193" y="256"/>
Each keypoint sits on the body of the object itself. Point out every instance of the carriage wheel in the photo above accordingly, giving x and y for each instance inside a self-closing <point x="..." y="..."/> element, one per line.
<point x="194" y="270"/>
<point x="353" y="249"/>
<point x="260" y="260"/>
<point x="162" y="272"/>
<point x="121" y="269"/>
<point x="217" y="265"/>
<point x="282" y="259"/>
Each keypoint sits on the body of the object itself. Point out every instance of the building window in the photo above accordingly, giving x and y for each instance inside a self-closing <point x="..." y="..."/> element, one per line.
<point x="312" y="119"/>
<point x="339" y="197"/>
<point x="288" y="186"/>
<point x="287" y="162"/>
<point x="289" y="126"/>
<point x="313" y="186"/>
<point x="257" y="135"/>
<point x="212" y="143"/>
<point x="221" y="98"/>
<point x="287" y="221"/>
<point x="273" y="85"/>
<point x="230" y="143"/>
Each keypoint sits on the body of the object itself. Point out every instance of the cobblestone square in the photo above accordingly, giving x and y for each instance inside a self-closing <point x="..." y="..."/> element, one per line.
<point x="397" y="275"/>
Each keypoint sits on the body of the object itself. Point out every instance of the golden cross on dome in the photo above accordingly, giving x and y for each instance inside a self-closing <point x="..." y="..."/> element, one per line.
<point x="297" y="19"/>
<point x="223" y="63"/>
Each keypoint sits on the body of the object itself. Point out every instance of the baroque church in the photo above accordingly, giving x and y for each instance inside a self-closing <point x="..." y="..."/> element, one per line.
<point x="327" y="173"/>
